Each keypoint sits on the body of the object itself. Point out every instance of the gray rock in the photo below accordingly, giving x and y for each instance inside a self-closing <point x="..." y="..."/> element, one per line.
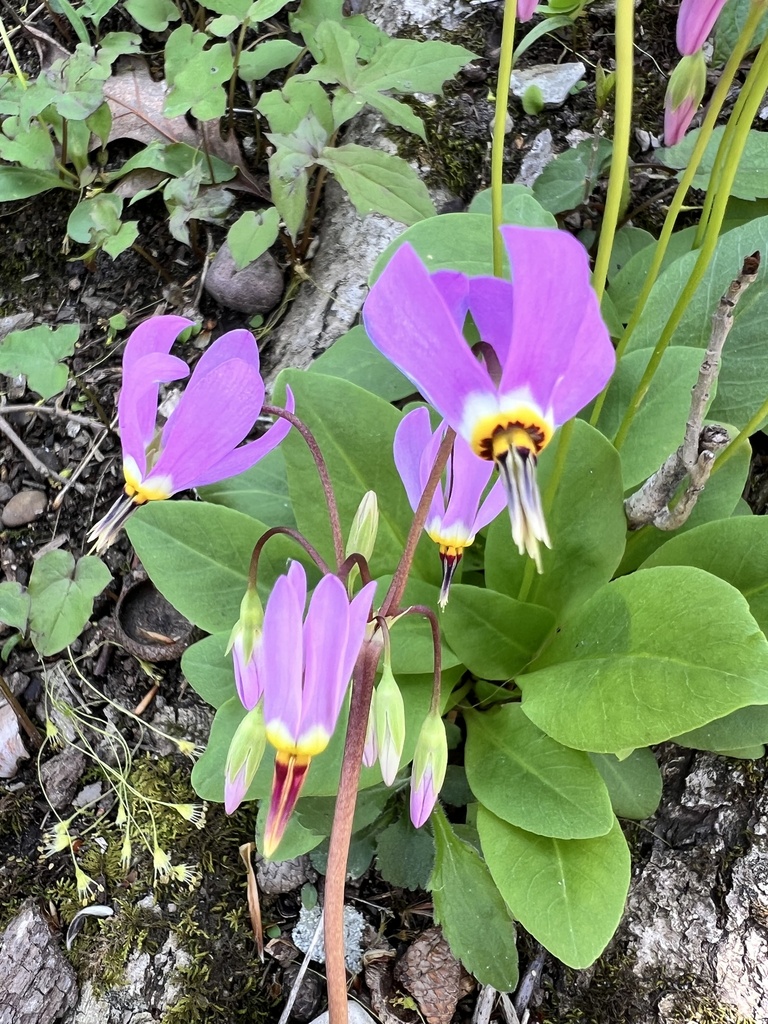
<point x="256" y="288"/>
<point x="37" y="983"/>
<point x="24" y="508"/>
<point x="536" y="159"/>
<point x="554" y="80"/>
<point x="5" y="493"/>
<point x="60" y="776"/>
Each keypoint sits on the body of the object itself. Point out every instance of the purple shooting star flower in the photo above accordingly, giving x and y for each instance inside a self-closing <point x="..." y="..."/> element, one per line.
<point x="307" y="663"/>
<point x="457" y="511"/>
<point x="201" y="440"/>
<point x="544" y="354"/>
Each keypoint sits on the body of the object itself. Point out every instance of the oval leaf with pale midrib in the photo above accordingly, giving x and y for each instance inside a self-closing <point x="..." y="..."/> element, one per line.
<point x="530" y="780"/>
<point x="651" y="655"/>
<point x="568" y="893"/>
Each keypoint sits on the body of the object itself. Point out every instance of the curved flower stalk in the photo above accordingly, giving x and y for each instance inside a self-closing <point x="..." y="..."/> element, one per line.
<point x="544" y="354"/>
<point x="305" y="663"/>
<point x="458" y="509"/>
<point x="201" y="440"/>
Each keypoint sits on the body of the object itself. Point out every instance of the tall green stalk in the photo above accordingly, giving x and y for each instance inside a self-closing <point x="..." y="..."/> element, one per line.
<point x="713" y="111"/>
<point x="625" y="17"/>
<point x="755" y="88"/>
<point x="499" y="127"/>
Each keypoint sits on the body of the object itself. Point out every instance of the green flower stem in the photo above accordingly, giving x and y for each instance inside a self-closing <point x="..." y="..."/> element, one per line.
<point x="499" y="126"/>
<point x="625" y="16"/>
<point x="715" y="106"/>
<point x="752" y="427"/>
<point x="755" y="87"/>
<point x="756" y="11"/>
<point x="12" y="54"/>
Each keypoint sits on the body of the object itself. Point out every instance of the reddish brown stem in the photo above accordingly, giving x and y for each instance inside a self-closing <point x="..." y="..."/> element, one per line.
<point x="341" y="833"/>
<point x="397" y="587"/>
<point x="322" y="471"/>
<point x="284" y="531"/>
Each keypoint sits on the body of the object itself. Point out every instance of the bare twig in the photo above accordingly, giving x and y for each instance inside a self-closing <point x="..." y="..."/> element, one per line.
<point x="32" y="459"/>
<point x="90" y="454"/>
<point x="52" y="410"/>
<point x="302" y="971"/>
<point x="696" y="455"/>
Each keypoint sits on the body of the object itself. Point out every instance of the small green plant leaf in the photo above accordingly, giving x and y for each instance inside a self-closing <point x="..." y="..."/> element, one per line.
<point x="61" y="594"/>
<point x="252" y="234"/>
<point x="288" y="181"/>
<point x="495" y="636"/>
<point x="519" y="206"/>
<point x="153" y="15"/>
<point x="195" y="74"/>
<point x="266" y="58"/>
<point x="405" y="855"/>
<point x="14" y="606"/>
<point x="21" y="183"/>
<point x="471" y="911"/>
<point x="32" y="147"/>
<point x="379" y="182"/>
<point x="568" y="893"/>
<point x="37" y="353"/>
<point x="533" y="100"/>
<point x="634" y="783"/>
<point x="649" y="656"/>
<point x="569" y="179"/>
<point x="530" y="780"/>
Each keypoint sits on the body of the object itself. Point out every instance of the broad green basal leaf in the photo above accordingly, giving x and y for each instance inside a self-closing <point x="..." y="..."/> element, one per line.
<point x="494" y="635"/>
<point x="352" y="357"/>
<point x="747" y="727"/>
<point x="568" y="893"/>
<point x="734" y="549"/>
<point x="208" y="669"/>
<point x="519" y="206"/>
<point x="634" y="783"/>
<point x="586" y="523"/>
<point x="528" y="779"/>
<point x="651" y="655"/>
<point x="471" y="911"/>
<point x="659" y="425"/>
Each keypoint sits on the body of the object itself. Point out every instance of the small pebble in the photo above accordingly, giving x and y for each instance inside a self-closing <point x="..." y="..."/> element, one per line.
<point x="256" y="288"/>
<point x="23" y="508"/>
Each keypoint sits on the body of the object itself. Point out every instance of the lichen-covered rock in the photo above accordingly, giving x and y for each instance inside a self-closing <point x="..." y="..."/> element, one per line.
<point x="37" y="983"/>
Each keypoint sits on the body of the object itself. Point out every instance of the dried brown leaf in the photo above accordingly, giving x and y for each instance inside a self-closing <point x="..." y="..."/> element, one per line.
<point x="254" y="906"/>
<point x="432" y="975"/>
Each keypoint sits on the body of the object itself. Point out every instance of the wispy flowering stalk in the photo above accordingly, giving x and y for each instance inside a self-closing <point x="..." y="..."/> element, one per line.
<point x="458" y="510"/>
<point x="544" y="354"/>
<point x="201" y="441"/>
<point x="307" y="663"/>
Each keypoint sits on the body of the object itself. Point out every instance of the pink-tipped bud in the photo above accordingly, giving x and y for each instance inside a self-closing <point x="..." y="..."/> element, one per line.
<point x="695" y="21"/>
<point x="429" y="764"/>
<point x="370" y="750"/>
<point x="245" y="753"/>
<point x="389" y="716"/>
<point x="244" y="643"/>
<point x="684" y="94"/>
<point x="526" y="9"/>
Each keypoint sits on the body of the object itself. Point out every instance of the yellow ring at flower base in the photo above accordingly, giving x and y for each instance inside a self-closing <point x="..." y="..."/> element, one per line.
<point x="520" y="427"/>
<point x="138" y="491"/>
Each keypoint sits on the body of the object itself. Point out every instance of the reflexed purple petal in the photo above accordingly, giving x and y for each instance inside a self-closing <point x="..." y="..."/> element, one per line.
<point x="491" y="301"/>
<point x="412" y="438"/>
<point x="491" y="506"/>
<point x="154" y="337"/>
<point x="453" y="287"/>
<point x="408" y="321"/>
<point x="470" y="475"/>
<point x="325" y="639"/>
<point x="282" y="660"/>
<point x="560" y="349"/>
<point x="137" y="404"/>
<point x="249" y="454"/>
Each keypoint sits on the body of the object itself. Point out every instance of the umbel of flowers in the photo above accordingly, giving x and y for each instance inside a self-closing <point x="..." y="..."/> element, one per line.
<point x="543" y="354"/>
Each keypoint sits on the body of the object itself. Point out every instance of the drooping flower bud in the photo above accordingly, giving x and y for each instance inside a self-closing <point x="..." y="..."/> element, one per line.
<point x="429" y="765"/>
<point x="245" y="753"/>
<point x="389" y="724"/>
<point x="370" y="750"/>
<point x="362" y="534"/>
<point x="244" y="643"/>
<point x="695" y="21"/>
<point x="684" y="95"/>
